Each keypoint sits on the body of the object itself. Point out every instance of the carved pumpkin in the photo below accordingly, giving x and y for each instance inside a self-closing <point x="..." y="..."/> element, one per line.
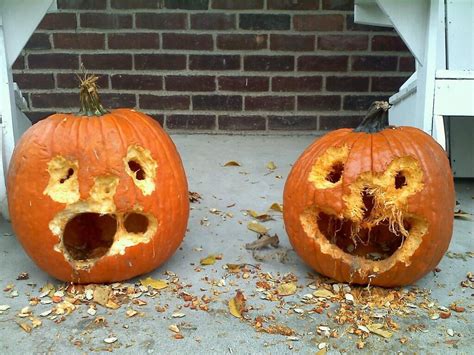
<point x="99" y="196"/>
<point x="373" y="205"/>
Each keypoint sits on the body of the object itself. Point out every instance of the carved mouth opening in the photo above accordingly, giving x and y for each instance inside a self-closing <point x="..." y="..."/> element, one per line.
<point x="374" y="243"/>
<point x="89" y="235"/>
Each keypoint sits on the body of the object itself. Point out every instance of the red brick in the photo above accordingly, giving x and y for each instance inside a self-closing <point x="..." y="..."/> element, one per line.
<point x="340" y="5"/>
<point x="241" y="123"/>
<point x="190" y="83"/>
<point x="38" y="41"/>
<point x="374" y="63"/>
<point x="34" y="81"/>
<point x="187" y="4"/>
<point x="241" y="41"/>
<point x="329" y="123"/>
<point x="191" y="122"/>
<point x="136" y="82"/>
<point x="243" y="83"/>
<point x="323" y="63"/>
<point x="264" y="22"/>
<point x="173" y="102"/>
<point x="237" y="5"/>
<point x="214" y="62"/>
<point x="292" y="43"/>
<point x="293" y="4"/>
<point x="318" y="22"/>
<point x="19" y="63"/>
<point x="360" y="102"/>
<point x="406" y="64"/>
<point x="135" y="4"/>
<point x="161" y="21"/>
<point x="55" y="100"/>
<point x="53" y="61"/>
<point x="343" y="42"/>
<point x="345" y="83"/>
<point x="118" y="100"/>
<point x="160" y="118"/>
<point x="105" y="21"/>
<point x="387" y="83"/>
<point x="296" y="84"/>
<point x="58" y="21"/>
<point x="269" y="63"/>
<point x="388" y="44"/>
<point x="134" y="40"/>
<point x="319" y="102"/>
<point x="160" y="61"/>
<point x="207" y="21"/>
<point x="79" y="40"/>
<point x="107" y="61"/>
<point x="292" y="123"/>
<point x="217" y="102"/>
<point x="201" y="42"/>
<point x="269" y="103"/>
<point x="82" y="4"/>
<point x="71" y="81"/>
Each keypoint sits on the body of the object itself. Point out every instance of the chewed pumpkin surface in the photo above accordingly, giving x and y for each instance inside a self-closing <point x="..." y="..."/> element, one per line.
<point x="98" y="198"/>
<point x="371" y="207"/>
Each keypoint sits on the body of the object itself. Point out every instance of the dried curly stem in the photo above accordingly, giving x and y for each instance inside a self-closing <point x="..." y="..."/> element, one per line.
<point x="90" y="101"/>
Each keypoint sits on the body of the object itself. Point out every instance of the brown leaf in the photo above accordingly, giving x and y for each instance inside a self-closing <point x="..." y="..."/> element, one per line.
<point x="25" y="326"/>
<point x="234" y="267"/>
<point x="377" y="329"/>
<point x="194" y="197"/>
<point x="232" y="163"/>
<point x="263" y="241"/>
<point x="237" y="305"/>
<point x="460" y="214"/>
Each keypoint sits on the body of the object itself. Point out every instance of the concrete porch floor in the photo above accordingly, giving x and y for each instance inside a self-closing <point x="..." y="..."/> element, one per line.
<point x="250" y="186"/>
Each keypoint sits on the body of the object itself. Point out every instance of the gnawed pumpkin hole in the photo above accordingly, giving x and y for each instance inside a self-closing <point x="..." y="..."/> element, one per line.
<point x="89" y="235"/>
<point x="141" y="167"/>
<point x="136" y="223"/>
<point x="63" y="184"/>
<point x="328" y="169"/>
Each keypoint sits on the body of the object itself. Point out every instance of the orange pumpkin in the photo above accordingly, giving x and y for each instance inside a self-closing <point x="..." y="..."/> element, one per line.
<point x="99" y="196"/>
<point x="373" y="205"/>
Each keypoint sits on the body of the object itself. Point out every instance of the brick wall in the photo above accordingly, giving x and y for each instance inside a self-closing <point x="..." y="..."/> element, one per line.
<point x="227" y="65"/>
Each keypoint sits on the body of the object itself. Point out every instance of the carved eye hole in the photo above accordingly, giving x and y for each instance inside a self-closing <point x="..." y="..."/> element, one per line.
<point x="137" y="169"/>
<point x="335" y="173"/>
<point x="400" y="180"/>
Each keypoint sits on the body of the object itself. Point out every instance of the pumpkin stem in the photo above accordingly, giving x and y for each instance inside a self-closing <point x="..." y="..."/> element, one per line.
<point x="376" y="118"/>
<point x="90" y="101"/>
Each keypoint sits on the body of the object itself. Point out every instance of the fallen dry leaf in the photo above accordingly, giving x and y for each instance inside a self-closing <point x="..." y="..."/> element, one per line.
<point x="232" y="163"/>
<point x="154" y="283"/>
<point x="263" y="241"/>
<point x="271" y="165"/>
<point x="322" y="351"/>
<point x="257" y="227"/>
<point x="234" y="267"/>
<point x="262" y="217"/>
<point x="101" y="295"/>
<point x="287" y="289"/>
<point x="194" y="197"/>
<point x="26" y="327"/>
<point x="278" y="207"/>
<point x="237" y="305"/>
<point x="322" y="292"/>
<point x="460" y="214"/>
<point x="208" y="260"/>
<point x="377" y="329"/>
